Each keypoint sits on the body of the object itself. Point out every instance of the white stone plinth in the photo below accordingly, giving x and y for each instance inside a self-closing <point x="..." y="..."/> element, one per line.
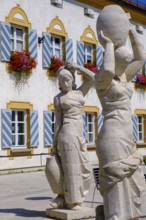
<point x="85" y="213"/>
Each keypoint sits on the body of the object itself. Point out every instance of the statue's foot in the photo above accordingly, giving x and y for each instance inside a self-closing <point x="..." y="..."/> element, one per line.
<point x="58" y="202"/>
<point x="75" y="206"/>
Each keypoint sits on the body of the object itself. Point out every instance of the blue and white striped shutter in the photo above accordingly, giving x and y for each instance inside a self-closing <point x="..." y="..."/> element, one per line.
<point x="80" y="53"/>
<point x="99" y="56"/>
<point x="33" y="43"/>
<point x="47" y="54"/>
<point x="69" y="49"/>
<point x="6" y="128"/>
<point x="99" y="122"/>
<point x="84" y="117"/>
<point x="48" y="140"/>
<point x="34" y="129"/>
<point x="5" y="44"/>
<point x="135" y="127"/>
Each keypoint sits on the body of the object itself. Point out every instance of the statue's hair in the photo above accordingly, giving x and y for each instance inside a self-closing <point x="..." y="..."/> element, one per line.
<point x="67" y="73"/>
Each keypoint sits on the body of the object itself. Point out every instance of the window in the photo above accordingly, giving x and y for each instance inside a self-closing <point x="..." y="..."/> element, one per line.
<point x="90" y="127"/>
<point x="56" y="46"/>
<point x="88" y="50"/>
<point x="17" y="38"/>
<point x="88" y="53"/>
<point x="19" y="128"/>
<point x="140" y="128"/>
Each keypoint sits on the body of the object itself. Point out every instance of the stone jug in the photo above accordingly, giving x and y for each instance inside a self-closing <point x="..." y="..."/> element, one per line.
<point x="54" y="174"/>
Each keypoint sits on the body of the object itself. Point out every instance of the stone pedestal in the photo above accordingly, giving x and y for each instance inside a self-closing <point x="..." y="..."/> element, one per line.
<point x="85" y="213"/>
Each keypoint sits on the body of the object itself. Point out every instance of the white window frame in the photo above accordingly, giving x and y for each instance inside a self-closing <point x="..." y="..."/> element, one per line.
<point x="16" y="128"/>
<point x="53" y="47"/>
<point x="16" y="39"/>
<point x="142" y="130"/>
<point x="86" y="53"/>
<point x="92" y="122"/>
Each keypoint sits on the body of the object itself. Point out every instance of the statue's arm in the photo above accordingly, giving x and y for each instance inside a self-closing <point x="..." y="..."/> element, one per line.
<point x="88" y="75"/>
<point x="88" y="80"/>
<point x="58" y="123"/>
<point x="107" y="71"/>
<point x="138" y="52"/>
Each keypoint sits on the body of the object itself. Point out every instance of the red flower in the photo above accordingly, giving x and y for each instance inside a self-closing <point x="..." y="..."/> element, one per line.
<point x="91" y="66"/>
<point x="21" y="61"/>
<point x="56" y="63"/>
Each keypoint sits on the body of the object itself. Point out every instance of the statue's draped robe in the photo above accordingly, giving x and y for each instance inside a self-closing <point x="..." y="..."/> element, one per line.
<point x="123" y="195"/>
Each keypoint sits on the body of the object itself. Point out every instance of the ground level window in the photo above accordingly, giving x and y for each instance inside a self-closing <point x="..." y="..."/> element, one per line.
<point x="90" y="127"/>
<point x="140" y="128"/>
<point x="19" y="128"/>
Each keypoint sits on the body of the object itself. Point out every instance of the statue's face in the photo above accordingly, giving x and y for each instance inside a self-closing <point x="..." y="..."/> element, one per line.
<point x="65" y="83"/>
<point x="114" y="23"/>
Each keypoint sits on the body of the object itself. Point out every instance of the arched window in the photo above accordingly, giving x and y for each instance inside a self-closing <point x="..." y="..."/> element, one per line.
<point x="56" y="43"/>
<point x="17" y="35"/>
<point x="88" y="49"/>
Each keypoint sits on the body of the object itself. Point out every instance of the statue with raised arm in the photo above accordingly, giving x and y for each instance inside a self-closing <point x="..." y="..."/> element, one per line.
<point x="72" y="174"/>
<point x="122" y="182"/>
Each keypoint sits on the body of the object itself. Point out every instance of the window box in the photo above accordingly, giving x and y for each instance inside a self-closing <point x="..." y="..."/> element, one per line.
<point x="20" y="66"/>
<point x="140" y="82"/>
<point x="56" y="63"/>
<point x="90" y="66"/>
<point x="21" y="62"/>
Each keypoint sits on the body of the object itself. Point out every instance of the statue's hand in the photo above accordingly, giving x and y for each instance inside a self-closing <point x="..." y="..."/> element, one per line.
<point x="132" y="29"/>
<point x="118" y="171"/>
<point x="104" y="39"/>
<point x="71" y="66"/>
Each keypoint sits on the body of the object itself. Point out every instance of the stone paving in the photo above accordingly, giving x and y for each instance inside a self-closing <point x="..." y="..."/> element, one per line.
<point x="27" y="196"/>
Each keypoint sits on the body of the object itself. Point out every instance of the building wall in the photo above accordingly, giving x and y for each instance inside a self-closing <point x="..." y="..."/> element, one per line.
<point x="39" y="89"/>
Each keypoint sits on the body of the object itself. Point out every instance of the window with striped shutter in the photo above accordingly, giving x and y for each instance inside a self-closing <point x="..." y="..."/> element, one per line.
<point x="5" y="41"/>
<point x="47" y="50"/>
<point x="14" y="128"/>
<point x="135" y="127"/>
<point x="33" y="43"/>
<point x="80" y="53"/>
<point x="99" y="56"/>
<point x="34" y="129"/>
<point x="48" y="137"/>
<point x="99" y="122"/>
<point x="8" y="39"/>
<point x="6" y="117"/>
<point x="69" y="49"/>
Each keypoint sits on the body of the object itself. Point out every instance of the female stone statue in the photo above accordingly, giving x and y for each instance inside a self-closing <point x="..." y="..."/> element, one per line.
<point x="69" y="144"/>
<point x="121" y="179"/>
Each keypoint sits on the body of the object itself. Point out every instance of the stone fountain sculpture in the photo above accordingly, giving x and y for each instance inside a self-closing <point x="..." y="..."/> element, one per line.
<point x="122" y="182"/>
<point x="69" y="170"/>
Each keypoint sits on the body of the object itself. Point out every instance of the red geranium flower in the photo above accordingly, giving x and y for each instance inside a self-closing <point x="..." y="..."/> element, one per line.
<point x="56" y="63"/>
<point x="21" y="61"/>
